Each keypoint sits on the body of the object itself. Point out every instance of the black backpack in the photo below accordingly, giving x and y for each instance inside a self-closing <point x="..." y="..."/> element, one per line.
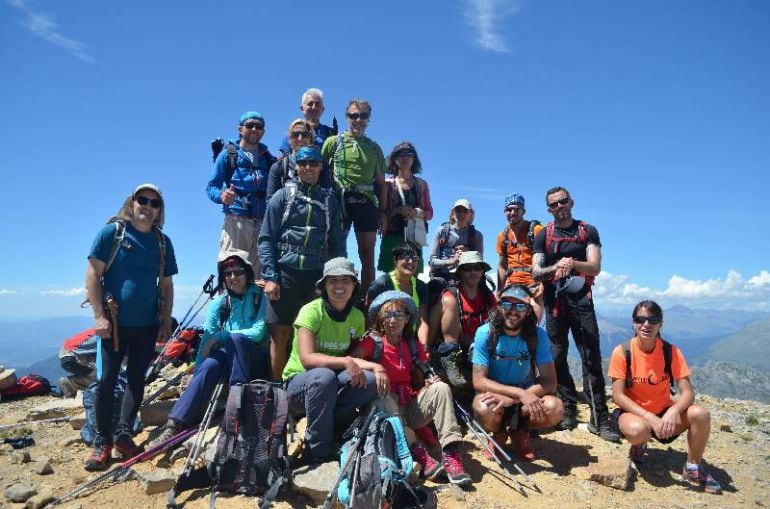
<point x="666" y="364"/>
<point x="251" y="452"/>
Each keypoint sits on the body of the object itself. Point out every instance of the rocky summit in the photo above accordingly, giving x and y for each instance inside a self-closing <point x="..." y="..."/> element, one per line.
<point x="572" y="469"/>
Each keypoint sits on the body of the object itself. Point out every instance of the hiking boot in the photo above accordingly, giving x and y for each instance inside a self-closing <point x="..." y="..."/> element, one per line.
<point x="451" y="360"/>
<point x="606" y="430"/>
<point x="636" y="453"/>
<point x="569" y="420"/>
<point x="99" y="458"/>
<point x="126" y="447"/>
<point x="501" y="437"/>
<point x="431" y="468"/>
<point x="522" y="444"/>
<point x="699" y="477"/>
<point x="453" y="466"/>
<point x="171" y="429"/>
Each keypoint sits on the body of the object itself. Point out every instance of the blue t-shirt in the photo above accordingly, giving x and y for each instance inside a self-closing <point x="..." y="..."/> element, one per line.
<point x="511" y="363"/>
<point x="133" y="276"/>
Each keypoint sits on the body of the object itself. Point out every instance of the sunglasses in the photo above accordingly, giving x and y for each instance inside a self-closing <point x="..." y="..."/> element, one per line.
<point x="152" y="202"/>
<point x="654" y="320"/>
<point x="300" y="134"/>
<point x="409" y="258"/>
<point x="254" y="125"/>
<point x="234" y="272"/>
<point x="356" y="116"/>
<point x="556" y="203"/>
<point x="474" y="267"/>
<point x="513" y="210"/>
<point x="404" y="154"/>
<point x="398" y="315"/>
<point x="507" y="305"/>
<point x="308" y="162"/>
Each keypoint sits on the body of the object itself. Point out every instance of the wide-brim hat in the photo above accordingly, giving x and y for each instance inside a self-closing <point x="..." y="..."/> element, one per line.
<point x="570" y="284"/>
<point x="472" y="258"/>
<point x="339" y="266"/>
<point x="239" y="253"/>
<point x="384" y="297"/>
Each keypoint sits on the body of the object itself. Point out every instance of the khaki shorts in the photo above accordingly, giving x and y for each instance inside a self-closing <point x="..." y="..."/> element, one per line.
<point x="241" y="233"/>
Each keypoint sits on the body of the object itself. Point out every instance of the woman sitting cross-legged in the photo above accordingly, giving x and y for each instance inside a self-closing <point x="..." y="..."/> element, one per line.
<point x="514" y="374"/>
<point x="641" y="392"/>
<point x="233" y="343"/>
<point x="322" y="381"/>
<point x="393" y="345"/>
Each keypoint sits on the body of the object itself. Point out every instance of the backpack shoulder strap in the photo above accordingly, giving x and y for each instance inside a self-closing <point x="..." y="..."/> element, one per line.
<point x="402" y="447"/>
<point x="117" y="240"/>
<point x="506" y="243"/>
<point x="627" y="352"/>
<point x="667" y="354"/>
<point x="443" y="233"/>
<point x="548" y="237"/>
<point x="224" y="311"/>
<point x="379" y="347"/>
<point x="291" y="189"/>
<point x="338" y="153"/>
<point x="582" y="232"/>
<point x="232" y="160"/>
<point x="277" y="477"/>
<point x="472" y="237"/>
<point x="531" y="232"/>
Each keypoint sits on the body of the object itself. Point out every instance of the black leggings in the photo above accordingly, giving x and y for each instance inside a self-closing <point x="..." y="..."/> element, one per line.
<point x="139" y="344"/>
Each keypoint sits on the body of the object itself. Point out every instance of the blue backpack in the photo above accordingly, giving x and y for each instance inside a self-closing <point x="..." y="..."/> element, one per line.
<point x="375" y="462"/>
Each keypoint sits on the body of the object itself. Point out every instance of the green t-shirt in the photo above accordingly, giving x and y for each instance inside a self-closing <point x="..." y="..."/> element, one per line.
<point x="332" y="338"/>
<point x="357" y="164"/>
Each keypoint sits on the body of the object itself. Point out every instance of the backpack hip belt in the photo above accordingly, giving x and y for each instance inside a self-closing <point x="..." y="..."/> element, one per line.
<point x="301" y="250"/>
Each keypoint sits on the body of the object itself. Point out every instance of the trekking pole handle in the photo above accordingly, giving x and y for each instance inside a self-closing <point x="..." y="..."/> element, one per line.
<point x="208" y="286"/>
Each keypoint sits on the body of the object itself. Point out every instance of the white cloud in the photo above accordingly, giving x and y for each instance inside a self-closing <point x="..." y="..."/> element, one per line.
<point x="6" y="291"/>
<point x="46" y="28"/>
<point x="486" y="16"/>
<point x="72" y="292"/>
<point x="734" y="289"/>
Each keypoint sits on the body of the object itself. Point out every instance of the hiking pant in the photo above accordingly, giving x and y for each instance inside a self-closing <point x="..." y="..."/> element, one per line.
<point x="433" y="403"/>
<point x="139" y="344"/>
<point x="327" y="399"/>
<point x="575" y="312"/>
<point x="240" y="359"/>
<point x="239" y="232"/>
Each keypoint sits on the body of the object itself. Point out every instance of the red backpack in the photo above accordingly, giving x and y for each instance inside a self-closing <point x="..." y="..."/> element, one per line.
<point x="28" y="385"/>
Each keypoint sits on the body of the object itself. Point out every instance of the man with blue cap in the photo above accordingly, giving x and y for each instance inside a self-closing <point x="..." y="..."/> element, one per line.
<point x="238" y="182"/>
<point x="302" y="230"/>
<point x="514" y="246"/>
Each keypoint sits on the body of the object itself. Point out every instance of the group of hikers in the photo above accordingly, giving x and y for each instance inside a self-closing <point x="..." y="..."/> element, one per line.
<point x="292" y="308"/>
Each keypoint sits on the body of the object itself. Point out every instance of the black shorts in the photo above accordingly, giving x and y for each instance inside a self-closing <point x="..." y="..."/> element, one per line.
<point x="618" y="412"/>
<point x="297" y="289"/>
<point x="361" y="213"/>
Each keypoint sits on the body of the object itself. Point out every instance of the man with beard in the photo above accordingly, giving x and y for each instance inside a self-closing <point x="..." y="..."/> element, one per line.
<point x="129" y="285"/>
<point x="404" y="278"/>
<point x="513" y="373"/>
<point x="239" y="183"/>
<point x="567" y="258"/>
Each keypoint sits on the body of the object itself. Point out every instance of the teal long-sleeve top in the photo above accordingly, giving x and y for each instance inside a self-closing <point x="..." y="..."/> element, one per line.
<point x="244" y="319"/>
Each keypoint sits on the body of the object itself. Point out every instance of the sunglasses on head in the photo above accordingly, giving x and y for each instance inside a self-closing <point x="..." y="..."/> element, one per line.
<point x="234" y="272"/>
<point x="356" y="116"/>
<point x="254" y="125"/>
<point x="152" y="202"/>
<point x="507" y="305"/>
<point x="654" y="320"/>
<point x="556" y="203"/>
<point x="300" y="134"/>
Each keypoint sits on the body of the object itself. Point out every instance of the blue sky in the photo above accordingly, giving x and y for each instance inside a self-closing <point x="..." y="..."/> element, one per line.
<point x="655" y="114"/>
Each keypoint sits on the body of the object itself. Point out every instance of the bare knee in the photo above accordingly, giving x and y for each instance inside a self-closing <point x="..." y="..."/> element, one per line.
<point x="698" y="414"/>
<point x="554" y="410"/>
<point x="636" y="430"/>
<point x="487" y="417"/>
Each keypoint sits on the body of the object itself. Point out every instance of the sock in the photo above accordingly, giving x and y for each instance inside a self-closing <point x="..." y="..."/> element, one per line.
<point x="691" y="466"/>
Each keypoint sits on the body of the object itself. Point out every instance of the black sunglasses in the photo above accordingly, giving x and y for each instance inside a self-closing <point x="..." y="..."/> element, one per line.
<point x="654" y="320"/>
<point x="309" y="162"/>
<point x="356" y="116"/>
<point x="556" y="203"/>
<point x="254" y="125"/>
<point x="152" y="202"/>
<point x="234" y="272"/>
<point x="300" y="134"/>
<point x="409" y="257"/>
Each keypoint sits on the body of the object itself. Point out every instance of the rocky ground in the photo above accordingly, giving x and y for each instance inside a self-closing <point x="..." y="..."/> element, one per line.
<point x="738" y="456"/>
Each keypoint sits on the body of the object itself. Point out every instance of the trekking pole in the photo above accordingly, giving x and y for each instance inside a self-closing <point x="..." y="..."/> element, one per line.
<point x="354" y="451"/>
<point x="581" y="347"/>
<point x="152" y="397"/>
<point x="208" y="289"/>
<point x="479" y="431"/>
<point x="123" y="468"/>
<point x="195" y="449"/>
<point x="41" y="421"/>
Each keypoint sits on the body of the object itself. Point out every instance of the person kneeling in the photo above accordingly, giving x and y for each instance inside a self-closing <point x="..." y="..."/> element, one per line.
<point x="233" y="343"/>
<point x="645" y="409"/>
<point x="508" y="354"/>
<point x="410" y="388"/>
